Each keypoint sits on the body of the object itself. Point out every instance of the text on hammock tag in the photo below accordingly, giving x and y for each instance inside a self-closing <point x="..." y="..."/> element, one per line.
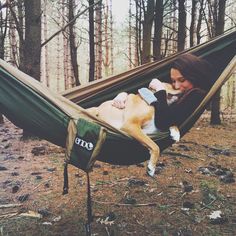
<point x="84" y="144"/>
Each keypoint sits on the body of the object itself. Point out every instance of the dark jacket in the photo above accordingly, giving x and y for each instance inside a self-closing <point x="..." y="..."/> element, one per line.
<point x="174" y="114"/>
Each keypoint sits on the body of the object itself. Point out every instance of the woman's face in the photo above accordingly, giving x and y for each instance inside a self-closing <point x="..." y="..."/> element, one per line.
<point x="178" y="81"/>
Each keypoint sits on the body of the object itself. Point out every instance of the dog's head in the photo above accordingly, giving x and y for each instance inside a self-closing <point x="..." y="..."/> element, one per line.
<point x="172" y="94"/>
<point x="170" y="90"/>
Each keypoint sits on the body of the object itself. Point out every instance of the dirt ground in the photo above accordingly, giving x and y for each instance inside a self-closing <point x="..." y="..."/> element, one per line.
<point x="193" y="192"/>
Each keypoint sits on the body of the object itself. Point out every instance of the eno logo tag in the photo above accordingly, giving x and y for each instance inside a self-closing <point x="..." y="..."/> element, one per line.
<point x="84" y="144"/>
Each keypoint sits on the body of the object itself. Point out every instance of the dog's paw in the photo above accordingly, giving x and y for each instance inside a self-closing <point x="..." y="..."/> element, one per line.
<point x="150" y="169"/>
<point x="174" y="133"/>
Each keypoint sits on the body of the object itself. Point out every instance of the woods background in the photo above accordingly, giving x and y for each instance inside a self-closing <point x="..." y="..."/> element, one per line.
<point x="69" y="42"/>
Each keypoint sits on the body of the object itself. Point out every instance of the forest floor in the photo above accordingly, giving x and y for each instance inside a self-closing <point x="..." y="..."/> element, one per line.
<point x="193" y="192"/>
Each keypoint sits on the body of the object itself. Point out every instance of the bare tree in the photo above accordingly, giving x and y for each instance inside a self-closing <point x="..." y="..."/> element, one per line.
<point x="45" y="35"/>
<point x="16" y="23"/>
<point x="111" y="35"/>
<point x="73" y="46"/>
<point x="13" y="50"/>
<point x="192" y="30"/>
<point x="181" y="25"/>
<point x="91" y="41"/>
<point x="148" y="10"/>
<point x="216" y="27"/>
<point x="158" y="28"/>
<point x="66" y="58"/>
<point x="3" y="33"/>
<point x="99" y="41"/>
<point x="107" y="33"/>
<point x="138" y="32"/>
<point x="32" y="48"/>
<point x="218" y="19"/>
<point x="130" y="34"/>
<point x="58" y="56"/>
<point x="199" y="21"/>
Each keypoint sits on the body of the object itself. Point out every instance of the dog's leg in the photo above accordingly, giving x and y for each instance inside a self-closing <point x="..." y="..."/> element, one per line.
<point x="136" y="132"/>
<point x="137" y="113"/>
<point x="174" y="133"/>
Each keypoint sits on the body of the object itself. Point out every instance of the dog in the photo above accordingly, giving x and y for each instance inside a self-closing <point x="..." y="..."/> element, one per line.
<point x="137" y="120"/>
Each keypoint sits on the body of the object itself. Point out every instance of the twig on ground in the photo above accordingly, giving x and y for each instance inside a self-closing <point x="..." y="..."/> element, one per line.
<point x="36" y="187"/>
<point x="8" y="215"/>
<point x="178" y="154"/>
<point x="208" y="205"/>
<point x="125" y="204"/>
<point x="209" y="147"/>
<point x="10" y="206"/>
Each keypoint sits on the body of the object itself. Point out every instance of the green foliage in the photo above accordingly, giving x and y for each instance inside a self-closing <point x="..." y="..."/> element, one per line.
<point x="209" y="192"/>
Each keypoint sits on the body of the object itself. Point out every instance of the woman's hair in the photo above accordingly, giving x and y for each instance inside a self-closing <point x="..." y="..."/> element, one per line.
<point x="195" y="69"/>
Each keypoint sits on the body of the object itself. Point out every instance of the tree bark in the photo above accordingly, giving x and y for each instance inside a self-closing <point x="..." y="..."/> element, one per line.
<point x="3" y="31"/>
<point x="181" y="26"/>
<point x="158" y="25"/>
<point x="32" y="43"/>
<point x="32" y="48"/>
<point x="91" y="42"/>
<point x="199" y="22"/>
<point x="219" y="16"/>
<point x="215" y="109"/>
<point x="147" y="31"/>
<point x="45" y="35"/>
<point x="138" y="46"/>
<point x="98" y="36"/>
<point x="130" y="35"/>
<point x="192" y="30"/>
<point x="111" y="35"/>
<point x="106" y="61"/>
<point x="73" y="47"/>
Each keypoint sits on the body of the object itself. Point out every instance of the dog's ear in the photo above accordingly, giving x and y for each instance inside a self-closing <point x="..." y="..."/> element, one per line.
<point x="170" y="90"/>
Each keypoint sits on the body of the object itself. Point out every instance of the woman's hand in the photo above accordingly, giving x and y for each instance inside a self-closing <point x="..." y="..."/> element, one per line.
<point x="120" y="100"/>
<point x="156" y="85"/>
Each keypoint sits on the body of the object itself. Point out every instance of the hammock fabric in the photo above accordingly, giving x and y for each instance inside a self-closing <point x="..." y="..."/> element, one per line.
<point x="53" y="117"/>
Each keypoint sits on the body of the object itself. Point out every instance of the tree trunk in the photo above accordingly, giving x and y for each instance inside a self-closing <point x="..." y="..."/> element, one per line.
<point x="130" y="35"/>
<point x="18" y="26"/>
<point x="111" y="35"/>
<point x="58" y="55"/>
<point x="192" y="30"/>
<point x="32" y="45"/>
<point x="91" y="42"/>
<point x="138" y="47"/>
<point x="98" y="63"/>
<point x="21" y="33"/>
<point x="199" y="22"/>
<point x="3" y="31"/>
<point x="106" y="61"/>
<point x="73" y="47"/>
<point x="181" y="26"/>
<point x="45" y="35"/>
<point x="66" y="61"/>
<point x="158" y="24"/>
<point x="215" y="109"/>
<point x="233" y="101"/>
<point x="147" y="31"/>
<point x="219" y="16"/>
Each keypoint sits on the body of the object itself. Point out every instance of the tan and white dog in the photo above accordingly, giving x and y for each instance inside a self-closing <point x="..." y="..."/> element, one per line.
<point x="137" y="120"/>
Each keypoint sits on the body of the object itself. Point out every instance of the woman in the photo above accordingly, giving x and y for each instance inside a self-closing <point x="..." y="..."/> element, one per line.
<point x="191" y="75"/>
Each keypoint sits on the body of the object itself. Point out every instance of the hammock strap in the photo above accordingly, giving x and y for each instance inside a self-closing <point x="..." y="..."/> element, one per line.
<point x="89" y="208"/>
<point x="66" y="182"/>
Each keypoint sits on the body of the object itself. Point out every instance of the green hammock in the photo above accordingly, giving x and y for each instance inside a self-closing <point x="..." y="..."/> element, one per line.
<point x="53" y="117"/>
